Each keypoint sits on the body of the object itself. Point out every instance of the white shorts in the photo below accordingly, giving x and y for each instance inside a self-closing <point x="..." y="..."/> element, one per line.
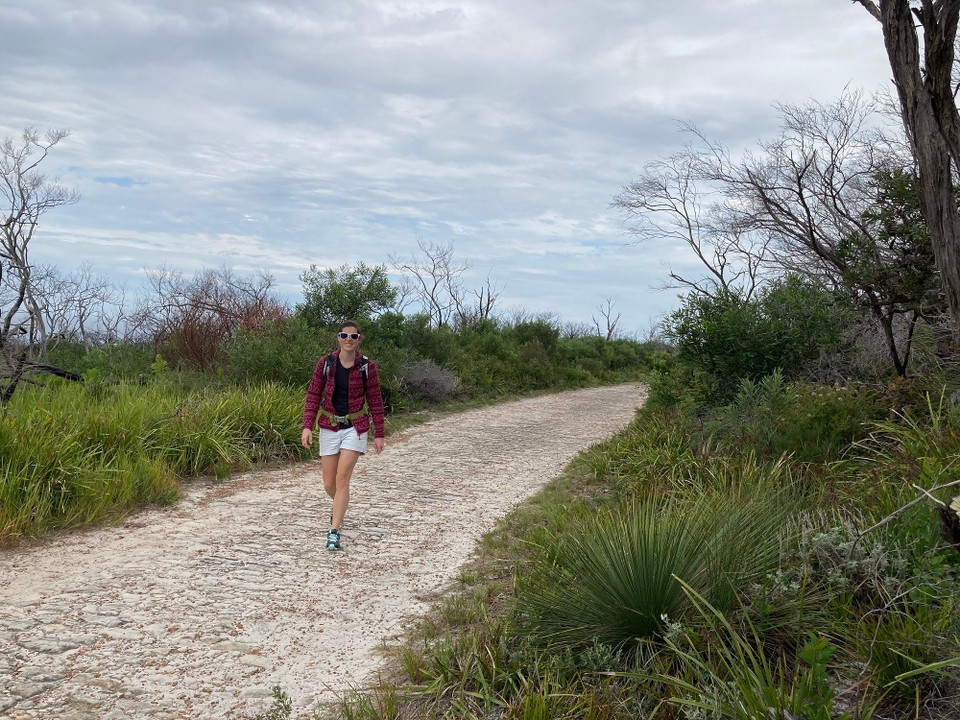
<point x="333" y="441"/>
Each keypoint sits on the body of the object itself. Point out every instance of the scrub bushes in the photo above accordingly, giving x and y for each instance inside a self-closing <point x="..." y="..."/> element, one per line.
<point x="419" y="364"/>
<point x="285" y="351"/>
<point x="724" y="339"/>
<point x="428" y="381"/>
<point x="810" y="422"/>
<point x="111" y="362"/>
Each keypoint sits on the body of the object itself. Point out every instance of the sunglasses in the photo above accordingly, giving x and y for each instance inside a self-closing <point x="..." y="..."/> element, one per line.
<point x="352" y="336"/>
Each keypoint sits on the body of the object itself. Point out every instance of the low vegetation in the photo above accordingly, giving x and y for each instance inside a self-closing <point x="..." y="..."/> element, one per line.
<point x="76" y="453"/>
<point x="756" y="544"/>
<point x="675" y="571"/>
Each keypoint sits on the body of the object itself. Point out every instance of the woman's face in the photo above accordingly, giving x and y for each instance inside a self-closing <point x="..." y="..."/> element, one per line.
<point x="352" y="339"/>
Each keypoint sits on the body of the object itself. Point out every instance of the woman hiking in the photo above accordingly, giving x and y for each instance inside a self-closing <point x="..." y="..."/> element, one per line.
<point x="345" y="392"/>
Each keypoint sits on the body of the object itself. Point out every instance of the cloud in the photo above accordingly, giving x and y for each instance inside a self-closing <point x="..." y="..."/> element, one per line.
<point x="278" y="134"/>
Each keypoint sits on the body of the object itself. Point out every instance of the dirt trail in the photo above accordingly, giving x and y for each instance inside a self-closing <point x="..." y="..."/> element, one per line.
<point x="197" y="610"/>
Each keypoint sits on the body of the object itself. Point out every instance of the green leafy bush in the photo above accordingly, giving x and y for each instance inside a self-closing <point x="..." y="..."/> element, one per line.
<point x="813" y="423"/>
<point x="543" y="333"/>
<point x="113" y="361"/>
<point x="724" y="339"/>
<point x="284" y="352"/>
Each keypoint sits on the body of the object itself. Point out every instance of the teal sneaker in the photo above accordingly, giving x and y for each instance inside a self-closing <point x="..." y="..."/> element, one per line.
<point x="333" y="540"/>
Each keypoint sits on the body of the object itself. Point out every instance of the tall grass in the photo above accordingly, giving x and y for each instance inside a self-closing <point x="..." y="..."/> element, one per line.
<point x="73" y="455"/>
<point x="729" y="673"/>
<point x="884" y="470"/>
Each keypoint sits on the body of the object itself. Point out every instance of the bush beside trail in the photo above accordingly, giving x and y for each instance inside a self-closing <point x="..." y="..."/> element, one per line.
<point x="75" y="454"/>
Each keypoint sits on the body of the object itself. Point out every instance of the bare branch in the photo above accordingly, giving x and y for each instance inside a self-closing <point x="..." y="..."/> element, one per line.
<point x="26" y="194"/>
<point x="870" y="6"/>
<point x="609" y="328"/>
<point x="436" y="277"/>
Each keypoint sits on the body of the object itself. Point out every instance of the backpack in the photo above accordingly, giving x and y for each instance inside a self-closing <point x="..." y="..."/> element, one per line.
<point x="328" y="368"/>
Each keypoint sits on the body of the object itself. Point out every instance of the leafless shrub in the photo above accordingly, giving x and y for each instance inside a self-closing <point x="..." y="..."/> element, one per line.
<point x="190" y="319"/>
<point x="428" y="381"/>
<point x="572" y="330"/>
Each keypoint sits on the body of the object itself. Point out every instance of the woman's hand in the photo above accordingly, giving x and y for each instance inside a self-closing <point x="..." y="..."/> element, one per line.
<point x="378" y="445"/>
<point x="306" y="438"/>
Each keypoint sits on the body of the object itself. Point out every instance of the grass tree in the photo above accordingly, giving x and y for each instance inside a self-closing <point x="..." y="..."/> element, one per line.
<point x="615" y="580"/>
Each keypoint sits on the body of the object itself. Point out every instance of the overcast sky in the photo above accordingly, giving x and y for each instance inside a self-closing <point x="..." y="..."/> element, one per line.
<point x="272" y="135"/>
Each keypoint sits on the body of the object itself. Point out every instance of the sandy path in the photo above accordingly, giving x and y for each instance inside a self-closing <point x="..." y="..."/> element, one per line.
<point x="197" y="610"/>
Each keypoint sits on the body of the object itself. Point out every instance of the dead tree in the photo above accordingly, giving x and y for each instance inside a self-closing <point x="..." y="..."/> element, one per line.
<point x="26" y="194"/>
<point x="436" y="277"/>
<point x="671" y="201"/>
<point x="608" y="330"/>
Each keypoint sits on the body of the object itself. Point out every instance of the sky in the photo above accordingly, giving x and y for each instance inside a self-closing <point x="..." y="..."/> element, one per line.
<point x="269" y="136"/>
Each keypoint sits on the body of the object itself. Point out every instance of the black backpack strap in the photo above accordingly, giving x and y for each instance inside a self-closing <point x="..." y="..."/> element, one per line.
<point x="328" y="367"/>
<point x="364" y="361"/>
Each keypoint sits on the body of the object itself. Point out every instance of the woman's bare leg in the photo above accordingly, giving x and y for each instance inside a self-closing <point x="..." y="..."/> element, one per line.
<point x="341" y="495"/>
<point x="328" y="464"/>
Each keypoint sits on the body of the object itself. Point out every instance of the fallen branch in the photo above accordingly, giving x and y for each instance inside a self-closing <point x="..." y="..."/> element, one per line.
<point x="901" y="510"/>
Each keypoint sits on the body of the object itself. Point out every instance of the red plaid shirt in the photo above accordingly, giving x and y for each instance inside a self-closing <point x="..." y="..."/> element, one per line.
<point x="355" y="398"/>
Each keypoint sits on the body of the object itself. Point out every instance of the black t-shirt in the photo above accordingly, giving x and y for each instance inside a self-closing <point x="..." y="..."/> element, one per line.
<point x="341" y="389"/>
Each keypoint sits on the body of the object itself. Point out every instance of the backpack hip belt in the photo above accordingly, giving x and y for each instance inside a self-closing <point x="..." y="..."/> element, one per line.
<point x="338" y="419"/>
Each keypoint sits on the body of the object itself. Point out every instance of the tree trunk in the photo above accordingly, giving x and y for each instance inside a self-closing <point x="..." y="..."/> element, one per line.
<point x="931" y="121"/>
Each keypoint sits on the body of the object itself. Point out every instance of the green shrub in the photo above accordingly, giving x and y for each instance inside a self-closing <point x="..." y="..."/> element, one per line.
<point x="113" y="362"/>
<point x="724" y="339"/>
<point x="852" y="569"/>
<point x="605" y="358"/>
<point x="543" y="333"/>
<point x="675" y="386"/>
<point x="283" y="352"/>
<point x="437" y="344"/>
<point x="613" y="578"/>
<point x="813" y="423"/>
<point x="808" y="320"/>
